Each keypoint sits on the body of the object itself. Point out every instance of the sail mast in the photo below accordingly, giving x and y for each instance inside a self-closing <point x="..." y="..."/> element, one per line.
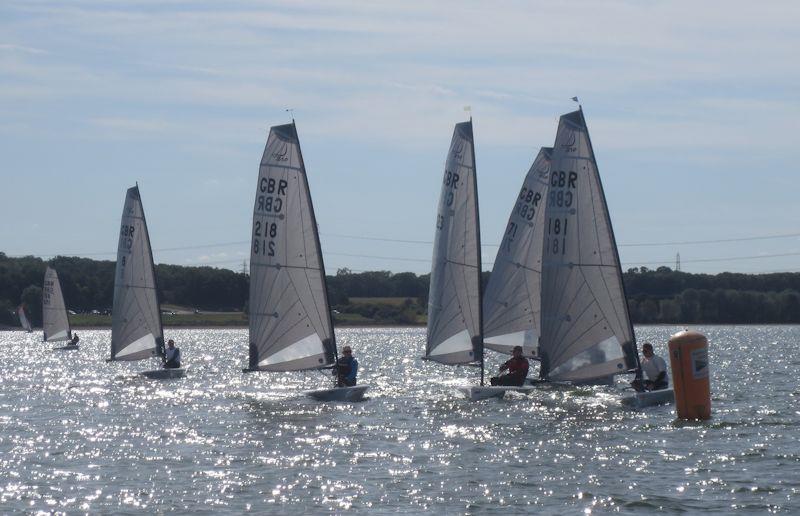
<point x="478" y="243"/>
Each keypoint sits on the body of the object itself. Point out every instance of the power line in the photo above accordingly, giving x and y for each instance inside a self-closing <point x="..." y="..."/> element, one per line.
<point x="422" y="242"/>
<point x="717" y="241"/>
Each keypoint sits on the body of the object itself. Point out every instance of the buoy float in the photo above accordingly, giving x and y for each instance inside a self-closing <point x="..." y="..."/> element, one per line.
<point x="688" y="358"/>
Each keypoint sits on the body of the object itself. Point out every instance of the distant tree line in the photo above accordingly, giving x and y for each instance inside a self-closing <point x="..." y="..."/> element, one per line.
<point x="654" y="296"/>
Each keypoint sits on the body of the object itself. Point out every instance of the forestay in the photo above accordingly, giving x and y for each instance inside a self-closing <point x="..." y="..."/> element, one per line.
<point x="54" y="311"/>
<point x="586" y="329"/>
<point x="290" y="320"/>
<point x="136" y="331"/>
<point x="454" y="307"/>
<point x="512" y="301"/>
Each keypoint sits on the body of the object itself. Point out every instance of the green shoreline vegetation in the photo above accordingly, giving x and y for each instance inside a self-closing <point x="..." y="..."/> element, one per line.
<point x="206" y="296"/>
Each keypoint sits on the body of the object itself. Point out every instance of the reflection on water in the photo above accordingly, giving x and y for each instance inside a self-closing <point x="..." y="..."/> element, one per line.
<point x="80" y="434"/>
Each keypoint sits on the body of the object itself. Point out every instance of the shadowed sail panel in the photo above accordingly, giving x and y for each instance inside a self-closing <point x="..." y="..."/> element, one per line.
<point x="454" y="307"/>
<point x="512" y="301"/>
<point x="586" y="329"/>
<point x="54" y="311"/>
<point x="290" y="320"/>
<point x="136" y="331"/>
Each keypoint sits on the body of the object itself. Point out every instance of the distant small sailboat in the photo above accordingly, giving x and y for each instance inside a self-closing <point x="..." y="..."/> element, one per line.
<point x="23" y="319"/>
<point x="455" y="320"/>
<point x="136" y="331"/>
<point x="586" y="329"/>
<point x="512" y="301"/>
<point x="291" y="328"/>
<point x="55" y="320"/>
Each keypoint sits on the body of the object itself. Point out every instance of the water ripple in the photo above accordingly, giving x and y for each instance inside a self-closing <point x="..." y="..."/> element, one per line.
<point x="80" y="434"/>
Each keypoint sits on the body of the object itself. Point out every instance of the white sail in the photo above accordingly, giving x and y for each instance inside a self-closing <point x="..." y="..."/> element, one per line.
<point x="512" y="301"/>
<point x="454" y="306"/>
<point x="290" y="320"/>
<point x="54" y="311"/>
<point x="23" y="319"/>
<point x="586" y="329"/>
<point x="136" y="331"/>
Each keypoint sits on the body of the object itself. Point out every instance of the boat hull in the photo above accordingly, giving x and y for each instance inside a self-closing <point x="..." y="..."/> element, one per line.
<point x="67" y="348"/>
<point x="165" y="374"/>
<point x="649" y="398"/>
<point x="494" y="391"/>
<point x="355" y="393"/>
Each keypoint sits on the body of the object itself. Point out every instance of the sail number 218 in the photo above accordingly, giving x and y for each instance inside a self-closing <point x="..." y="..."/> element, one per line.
<point x="266" y="230"/>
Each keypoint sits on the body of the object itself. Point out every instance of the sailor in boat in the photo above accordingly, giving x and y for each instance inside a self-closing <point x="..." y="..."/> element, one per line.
<point x="655" y="368"/>
<point x="346" y="368"/>
<point x="74" y="341"/>
<point x="172" y="356"/>
<point x="517" y="367"/>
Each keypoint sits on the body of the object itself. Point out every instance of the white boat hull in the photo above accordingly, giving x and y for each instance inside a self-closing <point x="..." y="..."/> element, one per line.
<point x="355" y="393"/>
<point x="165" y="374"/>
<point x="649" y="398"/>
<point x="494" y="391"/>
<point x="67" y="348"/>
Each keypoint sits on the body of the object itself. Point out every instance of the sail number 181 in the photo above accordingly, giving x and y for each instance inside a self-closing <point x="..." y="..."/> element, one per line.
<point x="556" y="242"/>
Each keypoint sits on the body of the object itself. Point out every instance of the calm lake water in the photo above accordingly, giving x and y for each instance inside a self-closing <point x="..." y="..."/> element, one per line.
<point x="78" y="434"/>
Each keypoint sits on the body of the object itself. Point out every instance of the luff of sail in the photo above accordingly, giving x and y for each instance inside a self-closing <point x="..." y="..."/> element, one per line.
<point x="512" y="301"/>
<point x="455" y="333"/>
<point x="54" y="311"/>
<point x="290" y="320"/>
<point x="23" y="319"/>
<point x="586" y="329"/>
<point x="136" y="331"/>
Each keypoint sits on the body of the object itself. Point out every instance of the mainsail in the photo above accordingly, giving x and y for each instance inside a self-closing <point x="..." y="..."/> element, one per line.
<point x="586" y="329"/>
<point x="455" y="333"/>
<point x="512" y="301"/>
<point x="290" y="320"/>
<point x="54" y="311"/>
<point x="136" y="331"/>
<point x="23" y="319"/>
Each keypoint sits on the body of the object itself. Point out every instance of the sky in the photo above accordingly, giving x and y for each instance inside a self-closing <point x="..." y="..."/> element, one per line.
<point x="692" y="108"/>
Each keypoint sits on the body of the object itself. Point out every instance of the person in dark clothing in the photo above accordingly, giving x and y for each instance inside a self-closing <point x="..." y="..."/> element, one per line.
<point x="346" y="368"/>
<point x="74" y="341"/>
<point x="173" y="356"/>
<point x="517" y="368"/>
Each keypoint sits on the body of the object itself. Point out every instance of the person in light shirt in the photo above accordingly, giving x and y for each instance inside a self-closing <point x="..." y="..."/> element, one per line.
<point x="655" y="368"/>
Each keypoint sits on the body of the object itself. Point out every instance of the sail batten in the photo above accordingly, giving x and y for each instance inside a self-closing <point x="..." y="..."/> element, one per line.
<point x="512" y="302"/>
<point x="290" y="324"/>
<point x="586" y="329"/>
<point x="55" y="320"/>
<point x="136" y="331"/>
<point x="455" y="327"/>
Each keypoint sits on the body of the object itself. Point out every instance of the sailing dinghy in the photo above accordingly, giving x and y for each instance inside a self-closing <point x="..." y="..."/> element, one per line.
<point x="455" y="320"/>
<point x="586" y="329"/>
<point x="23" y="319"/>
<point x="291" y="328"/>
<point x="55" y="320"/>
<point x="136" y="331"/>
